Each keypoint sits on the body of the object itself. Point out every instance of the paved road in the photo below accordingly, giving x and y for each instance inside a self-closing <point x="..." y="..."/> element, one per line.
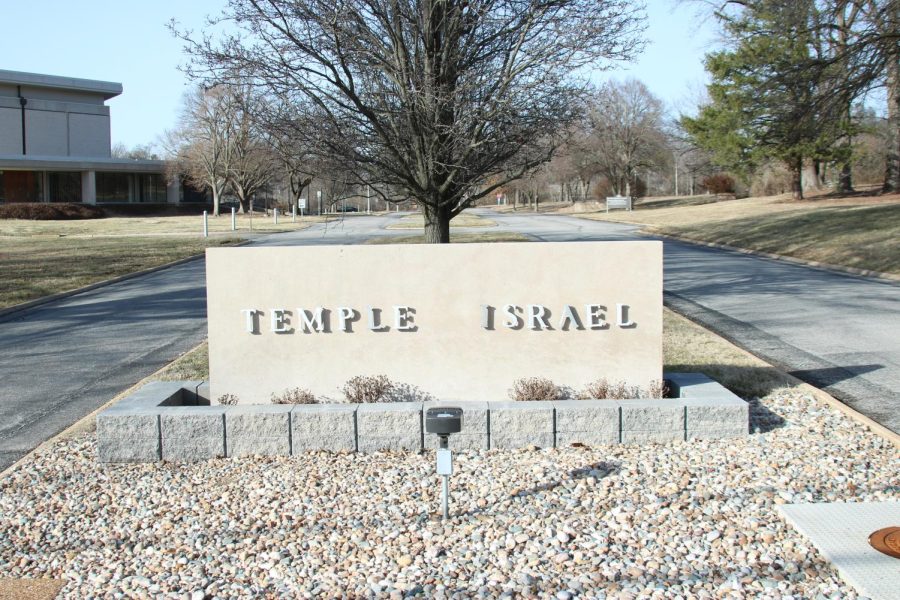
<point x="61" y="360"/>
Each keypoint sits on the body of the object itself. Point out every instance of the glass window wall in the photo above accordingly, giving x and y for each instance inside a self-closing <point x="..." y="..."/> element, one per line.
<point x="64" y="186"/>
<point x="21" y="186"/>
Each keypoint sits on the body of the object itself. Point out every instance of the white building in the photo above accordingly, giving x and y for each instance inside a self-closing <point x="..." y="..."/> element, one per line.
<point x="55" y="145"/>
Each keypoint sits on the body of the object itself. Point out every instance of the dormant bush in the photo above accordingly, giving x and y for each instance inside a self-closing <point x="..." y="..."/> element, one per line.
<point x="365" y="389"/>
<point x="294" y="396"/>
<point x="535" y="388"/>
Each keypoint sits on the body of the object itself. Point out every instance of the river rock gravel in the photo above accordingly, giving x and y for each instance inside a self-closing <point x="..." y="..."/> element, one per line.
<point x="677" y="520"/>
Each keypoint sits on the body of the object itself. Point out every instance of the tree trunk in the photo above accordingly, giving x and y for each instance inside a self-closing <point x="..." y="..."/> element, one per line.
<point x="796" y="168"/>
<point x="437" y="224"/>
<point x="892" y="160"/>
<point x="215" y="195"/>
<point x="516" y="201"/>
<point x="845" y="179"/>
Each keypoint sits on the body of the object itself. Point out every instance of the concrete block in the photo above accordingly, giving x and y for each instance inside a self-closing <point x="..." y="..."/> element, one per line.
<point x="389" y="419"/>
<point x="189" y="449"/>
<point x="588" y="438"/>
<point x="126" y="450"/>
<point x="152" y="395"/>
<point x="332" y="443"/>
<point x="599" y="416"/>
<point x="460" y="441"/>
<point x="202" y="393"/>
<point x="192" y="433"/>
<point x="720" y="433"/>
<point x="258" y="430"/>
<point x="410" y="441"/>
<point x="259" y="446"/>
<point x="640" y="437"/>
<point x="128" y="424"/>
<point x="721" y="412"/>
<point x="522" y="417"/>
<point x="191" y="421"/>
<point x="258" y="421"/>
<point x="521" y="424"/>
<point x="323" y="427"/>
<point x="510" y="440"/>
<point x="652" y="415"/>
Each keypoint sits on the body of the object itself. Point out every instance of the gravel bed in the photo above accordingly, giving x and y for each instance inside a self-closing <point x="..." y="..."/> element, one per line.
<point x="655" y="521"/>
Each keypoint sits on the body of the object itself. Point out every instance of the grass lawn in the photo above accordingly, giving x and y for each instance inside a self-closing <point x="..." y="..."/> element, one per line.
<point x="457" y="238"/>
<point x="31" y="268"/>
<point x="860" y="231"/>
<point x="152" y="226"/>
<point x="686" y="347"/>
<point x="463" y="220"/>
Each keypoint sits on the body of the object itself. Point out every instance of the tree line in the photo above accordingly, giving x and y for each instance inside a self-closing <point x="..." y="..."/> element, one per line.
<point x="448" y="102"/>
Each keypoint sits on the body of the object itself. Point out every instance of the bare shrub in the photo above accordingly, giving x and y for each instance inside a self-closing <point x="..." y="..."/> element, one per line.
<point x="366" y="389"/>
<point x="535" y="388"/>
<point x="227" y="399"/>
<point x="294" y="396"/>
<point x="719" y="183"/>
<point x="602" y="389"/>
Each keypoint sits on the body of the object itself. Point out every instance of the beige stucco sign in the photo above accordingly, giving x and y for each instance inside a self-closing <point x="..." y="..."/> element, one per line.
<point x="452" y="322"/>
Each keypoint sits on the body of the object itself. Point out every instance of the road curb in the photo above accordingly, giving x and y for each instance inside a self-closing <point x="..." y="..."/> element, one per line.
<point x="870" y="424"/>
<point x="868" y="274"/>
<point x="46" y="299"/>
<point x="85" y="421"/>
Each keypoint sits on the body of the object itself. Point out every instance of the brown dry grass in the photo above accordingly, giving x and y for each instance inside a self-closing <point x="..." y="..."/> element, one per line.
<point x="463" y="220"/>
<point x="34" y="267"/>
<point x="860" y="231"/>
<point x="456" y="238"/>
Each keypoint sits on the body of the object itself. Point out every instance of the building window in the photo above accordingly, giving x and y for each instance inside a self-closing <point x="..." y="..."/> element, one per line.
<point x="64" y="186"/>
<point x="151" y="188"/>
<point x="20" y="186"/>
<point x="113" y="187"/>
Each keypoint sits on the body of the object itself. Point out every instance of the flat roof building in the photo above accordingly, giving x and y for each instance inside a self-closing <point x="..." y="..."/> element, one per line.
<point x="55" y="145"/>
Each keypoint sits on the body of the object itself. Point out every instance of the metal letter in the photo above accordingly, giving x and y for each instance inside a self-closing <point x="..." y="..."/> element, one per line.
<point x="312" y="322"/>
<point x="537" y="317"/>
<point x="252" y="319"/>
<point x="596" y="316"/>
<point x="281" y="321"/>
<point x="570" y="317"/>
<point x="622" y="319"/>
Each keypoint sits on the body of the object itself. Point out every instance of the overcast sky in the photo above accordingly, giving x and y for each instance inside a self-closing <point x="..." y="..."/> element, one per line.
<point x="127" y="42"/>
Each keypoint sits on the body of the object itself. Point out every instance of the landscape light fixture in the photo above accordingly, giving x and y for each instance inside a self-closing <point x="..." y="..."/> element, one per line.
<point x="443" y="422"/>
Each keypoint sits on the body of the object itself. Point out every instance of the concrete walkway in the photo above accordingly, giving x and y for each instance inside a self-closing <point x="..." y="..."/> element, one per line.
<point x="63" y="359"/>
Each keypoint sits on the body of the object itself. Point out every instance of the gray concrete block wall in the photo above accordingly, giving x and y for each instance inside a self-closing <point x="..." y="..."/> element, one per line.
<point x="167" y="420"/>
<point x="521" y="424"/>
<point x="190" y="433"/>
<point x="323" y="427"/>
<point x="588" y="422"/>
<point x="396" y="426"/>
<point x="258" y="430"/>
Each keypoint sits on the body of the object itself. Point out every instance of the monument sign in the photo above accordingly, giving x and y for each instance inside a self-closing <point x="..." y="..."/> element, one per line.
<point x="451" y="322"/>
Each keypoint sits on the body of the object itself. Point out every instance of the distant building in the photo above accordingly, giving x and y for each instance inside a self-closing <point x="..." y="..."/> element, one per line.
<point x="55" y="146"/>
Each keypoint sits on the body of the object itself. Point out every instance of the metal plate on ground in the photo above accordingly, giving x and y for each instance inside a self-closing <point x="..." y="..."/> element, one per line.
<point x="840" y="531"/>
<point x="887" y="541"/>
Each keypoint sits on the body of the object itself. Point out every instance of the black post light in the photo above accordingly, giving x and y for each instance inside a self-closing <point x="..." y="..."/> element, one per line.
<point x="444" y="421"/>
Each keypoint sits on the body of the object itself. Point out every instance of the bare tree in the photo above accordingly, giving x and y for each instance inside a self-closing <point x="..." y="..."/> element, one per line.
<point x="253" y="161"/>
<point x="202" y="143"/>
<point x="627" y="134"/>
<point x="430" y="96"/>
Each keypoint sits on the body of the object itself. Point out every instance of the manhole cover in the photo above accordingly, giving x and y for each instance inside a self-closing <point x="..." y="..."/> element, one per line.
<point x="887" y="541"/>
